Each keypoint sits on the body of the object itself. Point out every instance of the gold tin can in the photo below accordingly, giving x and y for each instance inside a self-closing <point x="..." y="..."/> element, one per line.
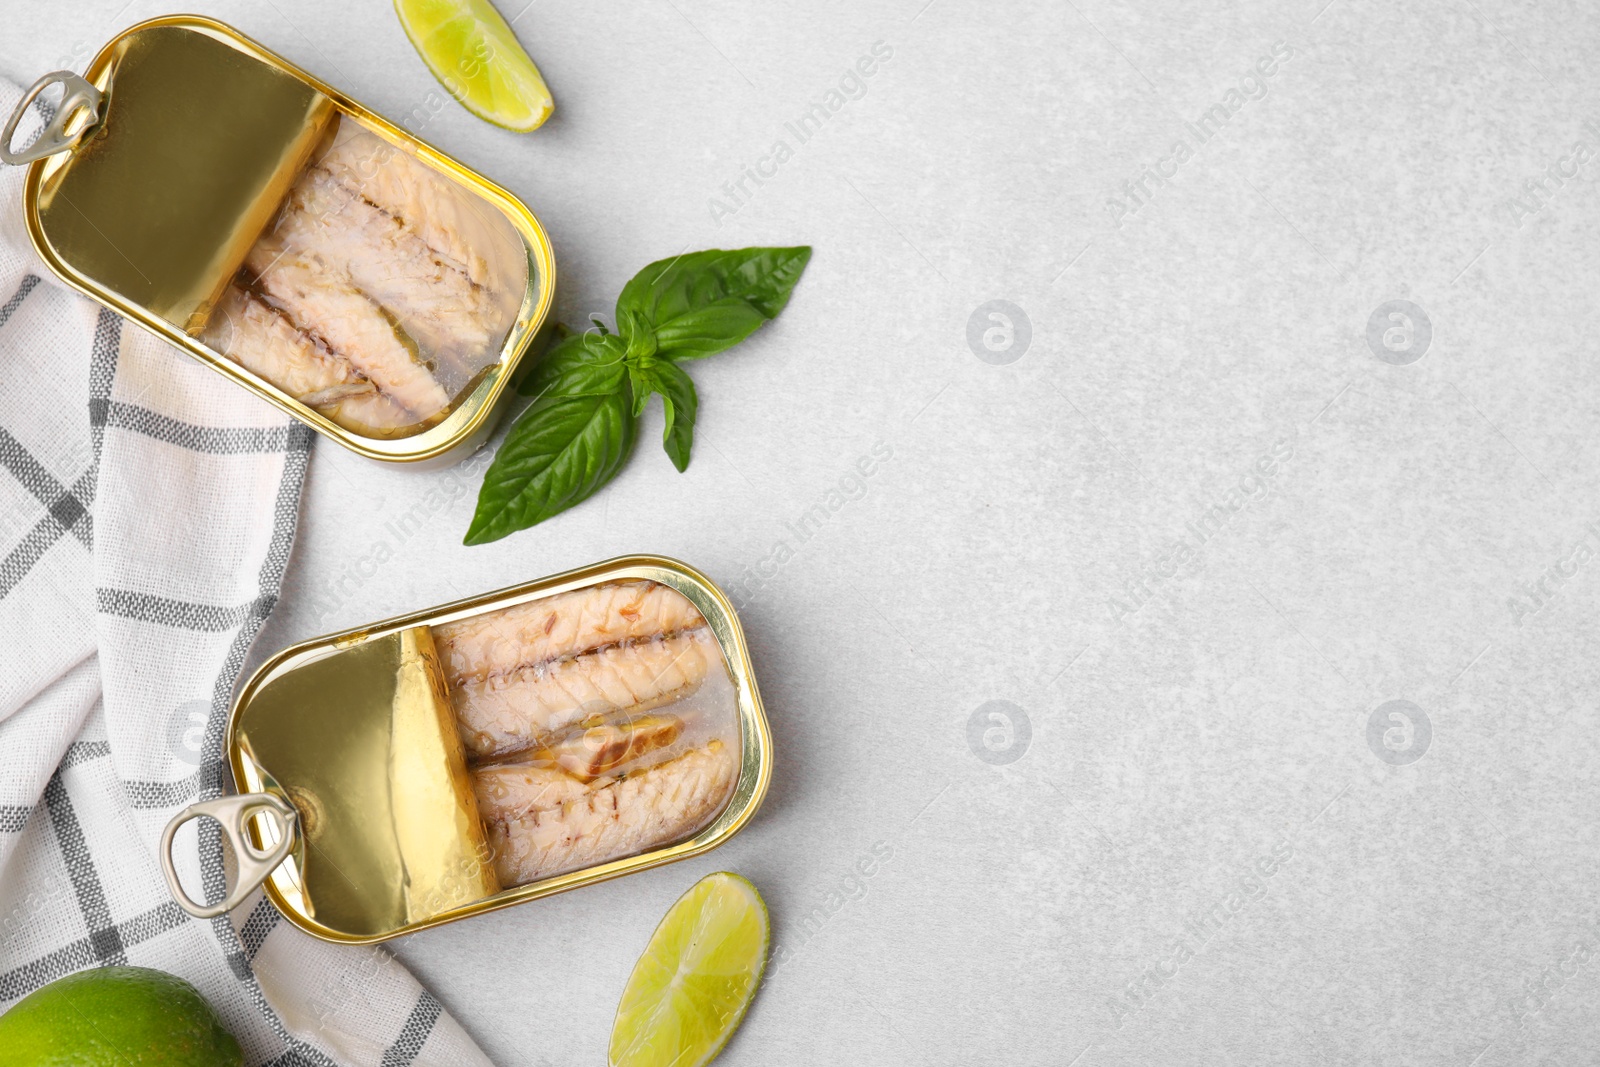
<point x="372" y="800"/>
<point x="275" y="229"/>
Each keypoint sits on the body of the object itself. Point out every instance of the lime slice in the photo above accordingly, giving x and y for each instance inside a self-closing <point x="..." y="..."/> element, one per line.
<point x="690" y="989"/>
<point x="476" y="57"/>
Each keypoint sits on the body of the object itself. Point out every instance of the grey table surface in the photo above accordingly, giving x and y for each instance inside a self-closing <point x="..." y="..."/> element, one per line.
<point x="1295" y="416"/>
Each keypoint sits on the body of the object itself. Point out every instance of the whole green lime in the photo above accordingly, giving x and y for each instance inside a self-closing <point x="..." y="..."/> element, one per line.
<point x="127" y="1016"/>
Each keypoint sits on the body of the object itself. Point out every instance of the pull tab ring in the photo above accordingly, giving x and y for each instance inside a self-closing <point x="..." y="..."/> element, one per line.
<point x="232" y="812"/>
<point x="76" y="94"/>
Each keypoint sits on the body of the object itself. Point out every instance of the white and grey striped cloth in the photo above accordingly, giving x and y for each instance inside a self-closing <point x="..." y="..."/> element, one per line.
<point x="147" y="510"/>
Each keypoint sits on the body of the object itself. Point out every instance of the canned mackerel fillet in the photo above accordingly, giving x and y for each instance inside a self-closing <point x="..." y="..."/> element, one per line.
<point x="491" y="751"/>
<point x="275" y="229"/>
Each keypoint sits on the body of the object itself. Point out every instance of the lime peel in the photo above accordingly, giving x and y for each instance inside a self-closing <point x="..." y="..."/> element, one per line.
<point x="117" y="1017"/>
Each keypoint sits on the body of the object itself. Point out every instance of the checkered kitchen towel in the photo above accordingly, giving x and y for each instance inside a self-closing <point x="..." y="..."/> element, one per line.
<point x="147" y="509"/>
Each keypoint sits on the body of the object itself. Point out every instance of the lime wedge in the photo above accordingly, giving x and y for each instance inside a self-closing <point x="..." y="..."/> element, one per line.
<point x="690" y="989"/>
<point x="476" y="57"/>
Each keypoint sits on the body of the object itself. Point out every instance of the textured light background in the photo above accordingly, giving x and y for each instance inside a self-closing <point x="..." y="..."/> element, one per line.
<point x="1190" y="713"/>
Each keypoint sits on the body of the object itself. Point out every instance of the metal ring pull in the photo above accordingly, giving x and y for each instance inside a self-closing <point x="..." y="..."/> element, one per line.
<point x="232" y="812"/>
<point x="76" y="95"/>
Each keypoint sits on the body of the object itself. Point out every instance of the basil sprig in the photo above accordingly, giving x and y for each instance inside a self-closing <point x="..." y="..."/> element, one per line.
<point x="591" y="387"/>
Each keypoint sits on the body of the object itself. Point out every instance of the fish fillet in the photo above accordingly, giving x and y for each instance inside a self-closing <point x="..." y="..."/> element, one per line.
<point x="383" y="288"/>
<point x="260" y="338"/>
<point x="347" y="322"/>
<point x="645" y="810"/>
<point x="360" y="407"/>
<point x="513" y="790"/>
<point x="607" y="748"/>
<point x="432" y="300"/>
<point x="568" y="624"/>
<point x="264" y="341"/>
<point x="519" y="708"/>
<point x="370" y="414"/>
<point x="472" y="235"/>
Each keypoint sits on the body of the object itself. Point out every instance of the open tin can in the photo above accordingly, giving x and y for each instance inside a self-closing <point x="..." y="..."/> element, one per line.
<point x="283" y="234"/>
<point x="492" y="751"/>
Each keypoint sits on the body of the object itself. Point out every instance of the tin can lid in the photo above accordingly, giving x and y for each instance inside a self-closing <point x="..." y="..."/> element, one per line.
<point x="158" y="202"/>
<point x="362" y="741"/>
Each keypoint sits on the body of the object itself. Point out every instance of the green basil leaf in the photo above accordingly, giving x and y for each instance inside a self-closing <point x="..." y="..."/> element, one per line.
<point x="640" y="382"/>
<point x="559" y="451"/>
<point x="590" y="387"/>
<point x="580" y="364"/>
<point x="639" y="336"/>
<point x="679" y="403"/>
<point x="668" y="288"/>
<point x="708" y="330"/>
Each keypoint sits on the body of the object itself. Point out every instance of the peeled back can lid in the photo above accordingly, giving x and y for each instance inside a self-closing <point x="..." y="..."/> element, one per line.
<point x="197" y="146"/>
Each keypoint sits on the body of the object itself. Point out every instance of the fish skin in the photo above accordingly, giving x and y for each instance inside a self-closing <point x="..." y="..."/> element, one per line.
<point x="260" y="338"/>
<point x="346" y="321"/>
<point x="567" y="624"/>
<point x="521" y="708"/>
<point x="433" y="300"/>
<point x="471" y="234"/>
<point x="644" y="810"/>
